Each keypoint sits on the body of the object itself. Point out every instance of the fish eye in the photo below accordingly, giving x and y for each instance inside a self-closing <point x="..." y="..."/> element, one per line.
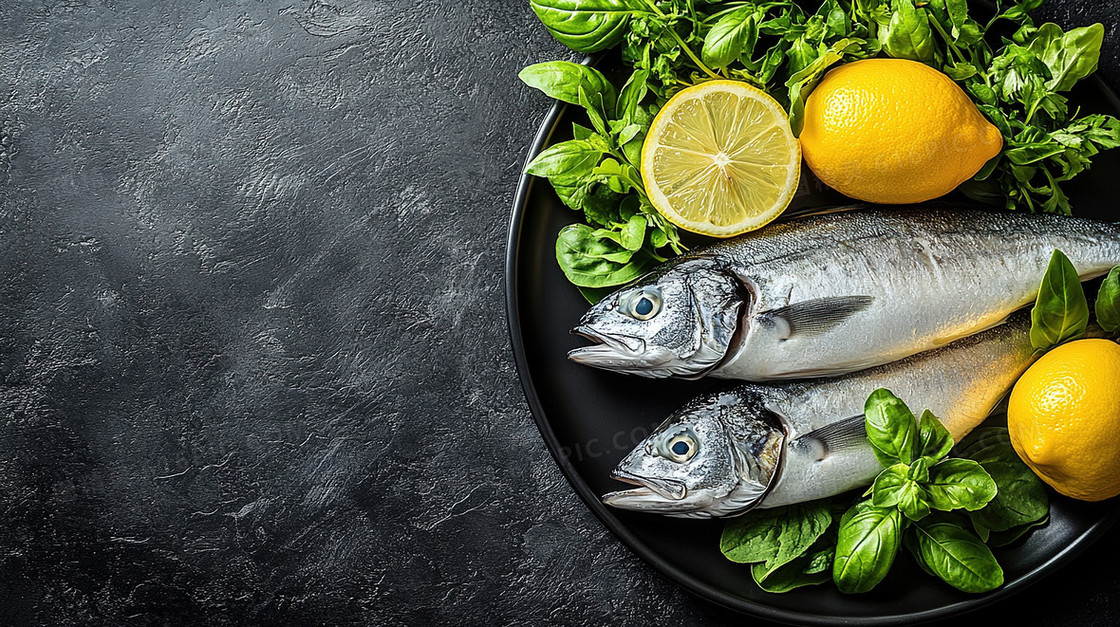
<point x="643" y="304"/>
<point x="679" y="445"/>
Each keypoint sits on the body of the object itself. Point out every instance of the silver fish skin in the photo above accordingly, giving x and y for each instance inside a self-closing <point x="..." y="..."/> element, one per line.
<point x="768" y="445"/>
<point x="835" y="293"/>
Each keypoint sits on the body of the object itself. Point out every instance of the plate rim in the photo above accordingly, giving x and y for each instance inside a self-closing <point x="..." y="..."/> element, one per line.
<point x="548" y="127"/>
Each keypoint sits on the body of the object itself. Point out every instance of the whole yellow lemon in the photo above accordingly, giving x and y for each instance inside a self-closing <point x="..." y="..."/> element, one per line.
<point x="894" y="131"/>
<point x="1064" y="419"/>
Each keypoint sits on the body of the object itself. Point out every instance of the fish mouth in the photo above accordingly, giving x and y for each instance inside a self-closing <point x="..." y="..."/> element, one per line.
<point x="606" y="349"/>
<point x="635" y="499"/>
<point x="649" y="493"/>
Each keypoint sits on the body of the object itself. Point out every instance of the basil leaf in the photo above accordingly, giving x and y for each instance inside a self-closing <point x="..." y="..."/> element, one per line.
<point x="821" y="560"/>
<point x="1061" y="311"/>
<point x="587" y="25"/>
<point x="566" y="161"/>
<point x="587" y="260"/>
<point x="914" y="504"/>
<point x="1108" y="302"/>
<point x="601" y="206"/>
<point x="867" y="544"/>
<point x="959" y="483"/>
<point x="919" y="470"/>
<point x="873" y="10"/>
<point x="571" y="193"/>
<point x="580" y="131"/>
<point x="1029" y="5"/>
<point x="600" y="143"/>
<point x="628" y="133"/>
<point x="774" y="536"/>
<point x="891" y="428"/>
<point x="595" y="294"/>
<point x="1070" y="56"/>
<point x="562" y="80"/>
<point x="630" y="100"/>
<point x="613" y="173"/>
<point x="801" y="53"/>
<point x="957" y="556"/>
<point x="986" y="445"/>
<point x="634" y="233"/>
<point x="958" y="15"/>
<point x="894" y="487"/>
<point x="910" y="541"/>
<point x="595" y="103"/>
<point x="633" y="149"/>
<point x="734" y="33"/>
<point x="960" y="71"/>
<point x="773" y="60"/>
<point x="934" y="439"/>
<point x="835" y="19"/>
<point x="889" y="486"/>
<point x="1004" y="538"/>
<point x="908" y="35"/>
<point x="1021" y="497"/>
<point x="796" y="574"/>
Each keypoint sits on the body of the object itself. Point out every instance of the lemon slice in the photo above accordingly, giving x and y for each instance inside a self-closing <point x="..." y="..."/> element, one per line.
<point x="720" y="159"/>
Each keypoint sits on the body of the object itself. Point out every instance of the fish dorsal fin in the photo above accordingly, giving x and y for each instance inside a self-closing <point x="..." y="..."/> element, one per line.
<point x="813" y="317"/>
<point x="840" y="435"/>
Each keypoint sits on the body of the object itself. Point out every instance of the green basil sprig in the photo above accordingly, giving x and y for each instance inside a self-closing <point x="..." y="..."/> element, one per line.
<point x="918" y="478"/>
<point x="597" y="173"/>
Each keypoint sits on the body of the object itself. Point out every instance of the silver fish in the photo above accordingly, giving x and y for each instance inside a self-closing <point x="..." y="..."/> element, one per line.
<point x="760" y="445"/>
<point x="835" y="293"/>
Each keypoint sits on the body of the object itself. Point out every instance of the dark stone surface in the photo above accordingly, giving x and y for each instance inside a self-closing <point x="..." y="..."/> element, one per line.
<point x="254" y="364"/>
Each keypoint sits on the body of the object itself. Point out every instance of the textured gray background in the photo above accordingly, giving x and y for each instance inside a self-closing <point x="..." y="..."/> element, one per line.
<point x="254" y="364"/>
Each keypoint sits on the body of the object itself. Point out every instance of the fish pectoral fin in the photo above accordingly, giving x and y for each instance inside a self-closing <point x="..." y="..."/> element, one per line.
<point x="844" y="434"/>
<point x="813" y="317"/>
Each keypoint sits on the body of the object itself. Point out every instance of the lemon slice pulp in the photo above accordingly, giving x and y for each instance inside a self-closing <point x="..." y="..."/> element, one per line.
<point x="720" y="159"/>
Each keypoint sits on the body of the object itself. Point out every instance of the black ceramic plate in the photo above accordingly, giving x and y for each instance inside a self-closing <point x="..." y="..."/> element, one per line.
<point x="591" y="418"/>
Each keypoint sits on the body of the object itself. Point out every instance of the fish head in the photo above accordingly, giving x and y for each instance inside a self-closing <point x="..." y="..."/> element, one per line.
<point x="717" y="456"/>
<point x="678" y="321"/>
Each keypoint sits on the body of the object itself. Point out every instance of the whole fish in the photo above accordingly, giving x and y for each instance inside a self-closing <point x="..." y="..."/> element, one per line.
<point x="835" y="293"/>
<point x="767" y="445"/>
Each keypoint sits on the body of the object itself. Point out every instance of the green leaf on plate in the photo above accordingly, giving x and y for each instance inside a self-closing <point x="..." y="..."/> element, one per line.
<point x="1061" y="311"/>
<point x="1108" y="302"/>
